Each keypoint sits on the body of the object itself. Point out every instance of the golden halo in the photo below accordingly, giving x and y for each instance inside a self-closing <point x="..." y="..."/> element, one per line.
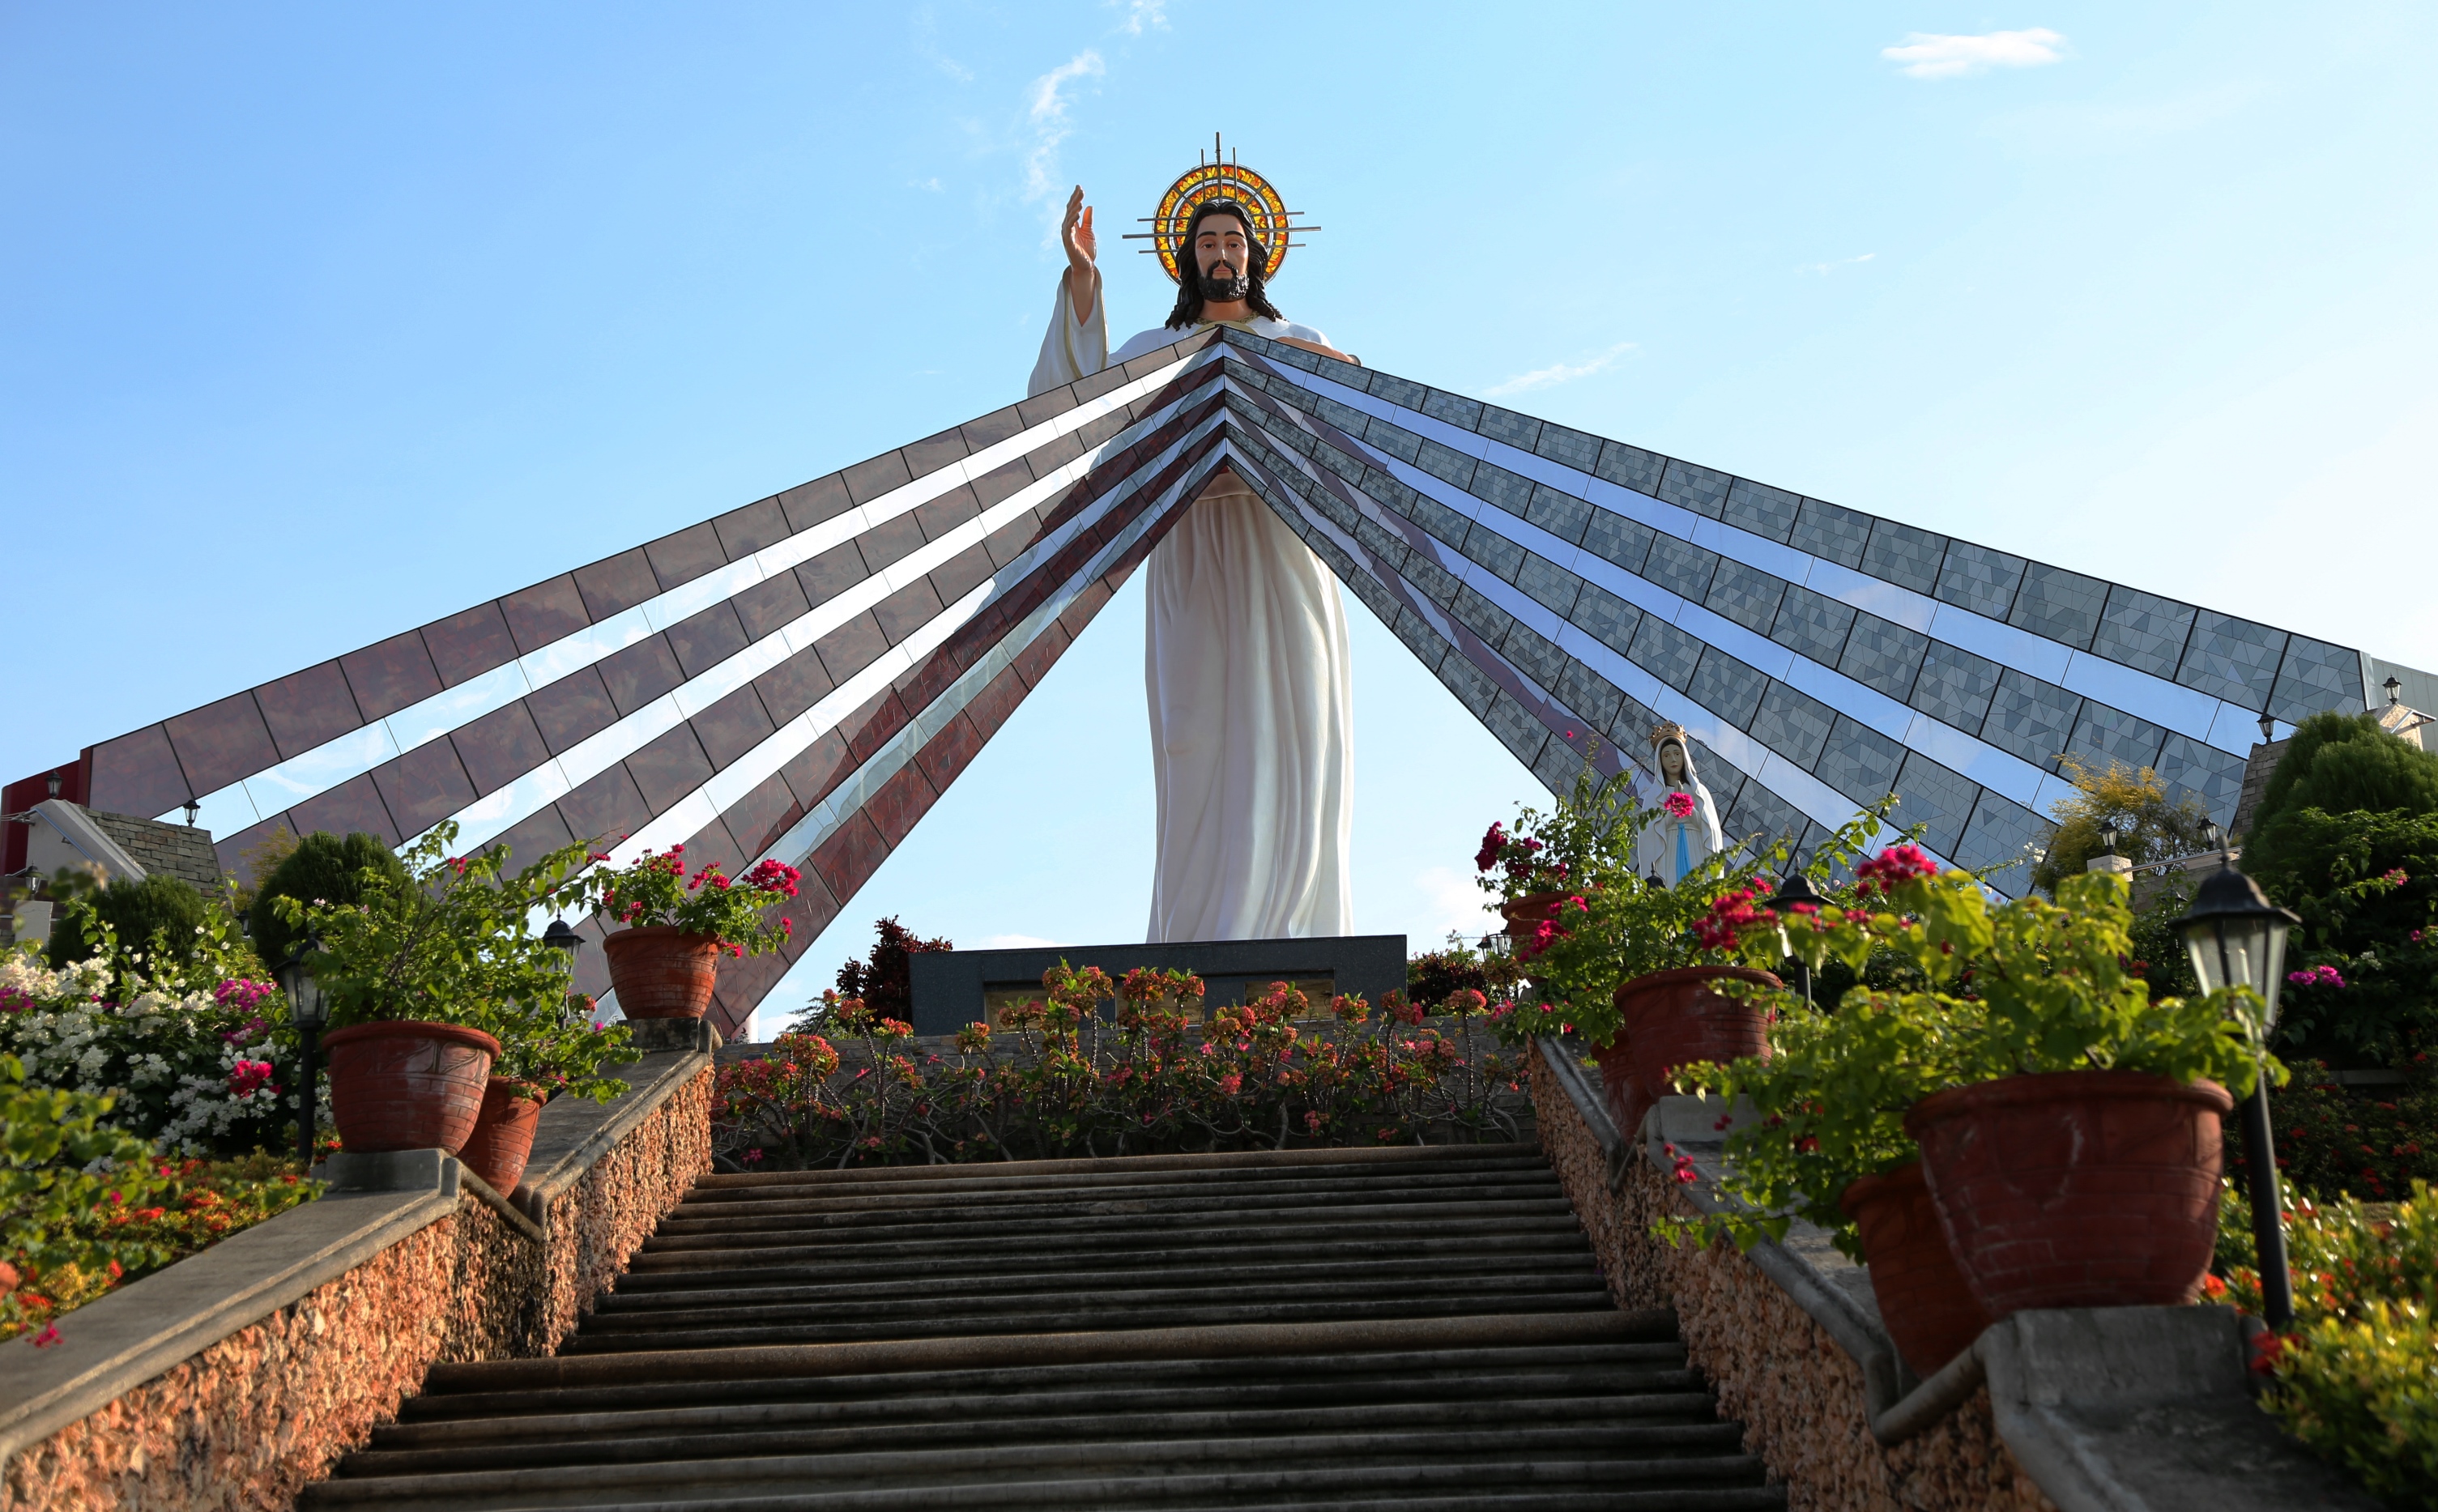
<point x="1218" y="178"/>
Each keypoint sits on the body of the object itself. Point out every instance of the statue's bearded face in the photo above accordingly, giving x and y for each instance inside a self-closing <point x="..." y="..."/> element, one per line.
<point x="1221" y="256"/>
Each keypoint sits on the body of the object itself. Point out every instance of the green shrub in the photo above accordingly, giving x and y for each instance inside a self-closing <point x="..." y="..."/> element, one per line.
<point x="2334" y="1142"/>
<point x="321" y="869"/>
<point x="2341" y="763"/>
<point x="156" y="915"/>
<point x="2366" y="886"/>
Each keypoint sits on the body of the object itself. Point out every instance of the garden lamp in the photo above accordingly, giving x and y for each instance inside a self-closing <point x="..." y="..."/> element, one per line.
<point x="1796" y="889"/>
<point x="2108" y="837"/>
<point x="306" y="1009"/>
<point x="193" y="810"/>
<point x="51" y="784"/>
<point x="2236" y="937"/>
<point x="558" y="937"/>
<point x="2395" y="690"/>
<point x="2268" y="728"/>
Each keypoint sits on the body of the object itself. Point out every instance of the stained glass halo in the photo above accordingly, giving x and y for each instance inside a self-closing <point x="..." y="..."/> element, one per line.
<point x="1214" y="176"/>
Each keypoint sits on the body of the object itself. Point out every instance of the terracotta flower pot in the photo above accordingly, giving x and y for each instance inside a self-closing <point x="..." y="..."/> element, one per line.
<point x="661" y="972"/>
<point x="1672" y="1019"/>
<point x="503" y="1135"/>
<point x="2075" y="1189"/>
<point x="1931" y="1313"/>
<point x="407" y="1085"/>
<point x="1527" y="914"/>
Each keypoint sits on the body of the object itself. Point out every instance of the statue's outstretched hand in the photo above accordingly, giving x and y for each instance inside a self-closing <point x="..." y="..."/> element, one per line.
<point x="1083" y="256"/>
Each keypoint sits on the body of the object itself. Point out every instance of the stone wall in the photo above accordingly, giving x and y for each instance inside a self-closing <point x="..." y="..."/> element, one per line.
<point x="1775" y="1369"/>
<point x="602" y="1218"/>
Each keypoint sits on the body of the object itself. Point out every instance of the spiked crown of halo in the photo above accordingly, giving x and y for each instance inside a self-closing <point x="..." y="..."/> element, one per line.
<point x="1217" y="176"/>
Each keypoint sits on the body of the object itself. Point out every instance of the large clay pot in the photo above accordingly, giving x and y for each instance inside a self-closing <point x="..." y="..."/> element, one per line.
<point x="407" y="1085"/>
<point x="661" y="972"/>
<point x="1930" y="1314"/>
<point x="1525" y="914"/>
<point x="503" y="1135"/>
<point x="1671" y="1019"/>
<point x="2075" y="1189"/>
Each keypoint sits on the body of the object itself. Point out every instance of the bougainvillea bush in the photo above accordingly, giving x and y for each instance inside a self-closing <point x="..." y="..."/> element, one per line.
<point x="2370" y="1143"/>
<point x="2356" y="1380"/>
<point x="1102" y="1068"/>
<point x="654" y="890"/>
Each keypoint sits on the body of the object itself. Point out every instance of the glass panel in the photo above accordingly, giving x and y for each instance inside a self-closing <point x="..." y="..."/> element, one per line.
<point x="2316" y="676"/>
<point x="1883" y="656"/>
<point x="1726" y="687"/>
<point x="1980" y="579"/>
<point x="1760" y="509"/>
<point x="2057" y="603"/>
<point x="1682" y="567"/>
<point x="2104" y="737"/>
<point x="1903" y="555"/>
<point x="1931" y="795"/>
<point x="1813" y="625"/>
<point x="1665" y="652"/>
<point x="1859" y="762"/>
<point x="1829" y="531"/>
<point x="2031" y="719"/>
<point x="1793" y="724"/>
<point x="1955" y="686"/>
<point x="1747" y="595"/>
<point x="2144" y="630"/>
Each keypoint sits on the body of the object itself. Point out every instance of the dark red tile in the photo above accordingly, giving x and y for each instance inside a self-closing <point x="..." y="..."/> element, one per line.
<point x="1084" y="608"/>
<point x="605" y="809"/>
<point x="138" y="774"/>
<point x="793" y="686"/>
<point x="640" y="674"/>
<point x="927" y="681"/>
<point x="573" y="709"/>
<point x="851" y="648"/>
<point x="307" y="708"/>
<point x="832" y="572"/>
<point x="732" y="727"/>
<point x="389" y="676"/>
<point x="808" y="504"/>
<point x="1001" y="483"/>
<point x="686" y="554"/>
<point x="230" y="850"/>
<point x="669" y="767"/>
<point x="424" y="786"/>
<point x="470" y="643"/>
<point x="874" y="725"/>
<point x="950" y="752"/>
<point x="616" y="584"/>
<point x="907" y="610"/>
<point x="1033" y="662"/>
<point x="501" y="746"/>
<point x="759" y="818"/>
<point x="743" y="532"/>
<point x="961" y="574"/>
<point x="888" y="541"/>
<point x="868" y="481"/>
<point x="704" y="641"/>
<point x="990" y="428"/>
<point x="534" y="837"/>
<point x="817" y="768"/>
<point x="353" y="807"/>
<point x="713" y="846"/>
<point x="222" y="742"/>
<point x="1047" y="406"/>
<point x="771" y="604"/>
<point x="941" y="514"/>
<point x="1009" y="541"/>
<point x="810" y="910"/>
<point x="545" y="612"/>
<point x="849" y="858"/>
<point x="998" y="698"/>
<point x="1052" y="454"/>
<point x="934" y="452"/>
<point x="902" y="801"/>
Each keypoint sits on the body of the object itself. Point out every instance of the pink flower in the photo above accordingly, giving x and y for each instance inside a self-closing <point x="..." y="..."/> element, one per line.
<point x="1680" y="804"/>
<point x="49" y="1336"/>
<point x="248" y="1076"/>
<point x="1230" y="1083"/>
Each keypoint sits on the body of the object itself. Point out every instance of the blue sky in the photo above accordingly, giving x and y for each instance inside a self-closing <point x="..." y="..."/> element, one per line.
<point x="319" y="323"/>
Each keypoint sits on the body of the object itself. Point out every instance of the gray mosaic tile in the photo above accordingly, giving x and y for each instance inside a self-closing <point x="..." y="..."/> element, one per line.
<point x="1559" y="766"/>
<point x="1494" y="551"/>
<point x="1516" y="729"/>
<point x="1682" y="567"/>
<point x="1931" y="795"/>
<point x="1419" y="638"/>
<point x="1345" y="417"/>
<point x="1431" y="580"/>
<point x="1549" y="584"/>
<point x="1398" y="391"/>
<point x="2187" y="767"/>
<point x="1859" y="762"/>
<point x="1397" y="442"/>
<point x="1375" y="597"/>
<point x="1903" y="555"/>
<point x="2005" y="834"/>
<point x="1593" y="697"/>
<point x="1793" y="723"/>
<point x="2316" y="676"/>
<point x="1760" y="509"/>
<point x="1882" y="655"/>
<point x="1625" y="542"/>
<point x="1607" y="618"/>
<point x="1382" y="542"/>
<point x="2031" y="719"/>
<point x="1724" y="778"/>
<point x="1540" y="660"/>
<point x="1495" y="485"/>
<point x="1387" y="492"/>
<point x="1760" y="816"/>
<point x="1517" y="431"/>
<point x="1445" y="463"/>
<point x="1746" y="595"/>
<point x="2104" y="737"/>
<point x="1832" y="533"/>
<point x="2057" y="603"/>
<point x="1473" y="688"/>
<point x="1813" y="625"/>
<point x="1726" y="687"/>
<point x="1560" y="514"/>
<point x="2232" y="658"/>
<point x="2144" y="630"/>
<point x="1665" y="652"/>
<point x="1571" y="448"/>
<point x="1458" y="411"/>
<point x="1699" y="489"/>
<point x="1980" y="579"/>
<point x="1631" y="468"/>
<point x="1630" y="732"/>
<point x="1480" y="616"/>
<point x="1441" y="521"/>
<point x="1955" y="686"/>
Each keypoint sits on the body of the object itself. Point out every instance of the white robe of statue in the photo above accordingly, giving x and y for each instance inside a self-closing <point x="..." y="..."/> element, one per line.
<point x="1670" y="846"/>
<point x="1252" y="714"/>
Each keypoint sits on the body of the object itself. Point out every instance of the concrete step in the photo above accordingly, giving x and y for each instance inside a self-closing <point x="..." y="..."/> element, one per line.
<point x="1136" y="1168"/>
<point x="1285" y="1208"/>
<point x="945" y="1275"/>
<point x="1114" y="1230"/>
<point x="1118" y="1186"/>
<point x="1486" y="1252"/>
<point x="1182" y="1283"/>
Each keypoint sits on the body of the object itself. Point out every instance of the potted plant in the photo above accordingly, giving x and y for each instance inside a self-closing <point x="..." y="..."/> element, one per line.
<point x="425" y="980"/>
<point x="545" y="1053"/>
<point x="1548" y="857"/>
<point x="664" y="963"/>
<point x="2069" y="1127"/>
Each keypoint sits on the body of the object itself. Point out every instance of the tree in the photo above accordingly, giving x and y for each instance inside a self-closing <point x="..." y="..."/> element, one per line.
<point x="886" y="980"/>
<point x="157" y="916"/>
<point x="2338" y="763"/>
<point x="2149" y="828"/>
<point x="322" y="869"/>
<point x="2366" y="886"/>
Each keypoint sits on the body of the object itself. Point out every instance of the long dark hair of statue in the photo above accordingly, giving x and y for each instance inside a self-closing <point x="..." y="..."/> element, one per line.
<point x="1189" y="286"/>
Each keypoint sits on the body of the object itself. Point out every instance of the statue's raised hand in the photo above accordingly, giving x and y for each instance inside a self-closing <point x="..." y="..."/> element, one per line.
<point x="1083" y="256"/>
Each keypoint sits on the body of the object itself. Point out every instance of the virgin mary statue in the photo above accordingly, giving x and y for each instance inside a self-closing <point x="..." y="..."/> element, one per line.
<point x="1685" y="831"/>
<point x="1244" y="657"/>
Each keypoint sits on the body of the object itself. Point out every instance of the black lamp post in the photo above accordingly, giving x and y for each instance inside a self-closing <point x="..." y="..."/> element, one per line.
<point x="2236" y="937"/>
<point x="306" y="1009"/>
<point x="2109" y="835"/>
<point x="1796" y="889"/>
<point x="568" y="943"/>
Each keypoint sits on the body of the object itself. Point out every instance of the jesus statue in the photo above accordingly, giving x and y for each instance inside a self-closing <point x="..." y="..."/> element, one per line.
<point x="1245" y="660"/>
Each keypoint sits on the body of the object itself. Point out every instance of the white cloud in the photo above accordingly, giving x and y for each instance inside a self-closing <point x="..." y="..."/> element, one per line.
<point x="932" y="184"/>
<point x="1457" y="903"/>
<point x="1823" y="269"/>
<point x="1557" y="373"/>
<point x="1141" y="14"/>
<point x="926" y="46"/>
<point x="1046" y="109"/>
<point x="1935" y="55"/>
<point x="1016" y="942"/>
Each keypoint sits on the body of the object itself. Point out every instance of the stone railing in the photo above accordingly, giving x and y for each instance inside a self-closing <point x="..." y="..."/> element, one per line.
<point x="237" y="1376"/>
<point x="2114" y="1408"/>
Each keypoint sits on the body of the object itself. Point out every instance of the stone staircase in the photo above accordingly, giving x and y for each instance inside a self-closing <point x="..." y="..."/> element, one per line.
<point x="1415" y="1328"/>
